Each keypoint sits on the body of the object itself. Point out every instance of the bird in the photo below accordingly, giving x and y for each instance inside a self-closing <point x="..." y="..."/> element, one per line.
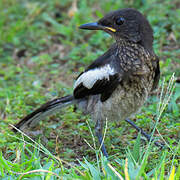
<point x="114" y="86"/>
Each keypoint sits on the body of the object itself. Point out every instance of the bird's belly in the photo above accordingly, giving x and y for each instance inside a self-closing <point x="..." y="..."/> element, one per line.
<point x="123" y="103"/>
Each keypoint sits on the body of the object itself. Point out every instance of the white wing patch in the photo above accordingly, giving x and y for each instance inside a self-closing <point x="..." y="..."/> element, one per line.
<point x="90" y="77"/>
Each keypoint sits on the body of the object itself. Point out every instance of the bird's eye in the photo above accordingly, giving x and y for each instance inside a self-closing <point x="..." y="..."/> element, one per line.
<point x="120" y="21"/>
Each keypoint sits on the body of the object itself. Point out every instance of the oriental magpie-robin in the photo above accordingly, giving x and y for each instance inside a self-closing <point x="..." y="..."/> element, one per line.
<point x="115" y="85"/>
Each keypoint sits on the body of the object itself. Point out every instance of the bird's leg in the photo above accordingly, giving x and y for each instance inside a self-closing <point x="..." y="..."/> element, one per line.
<point x="139" y="129"/>
<point x="98" y="131"/>
<point x="148" y="137"/>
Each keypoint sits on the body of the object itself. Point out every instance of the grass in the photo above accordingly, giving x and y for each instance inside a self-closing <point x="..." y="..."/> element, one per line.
<point x="41" y="52"/>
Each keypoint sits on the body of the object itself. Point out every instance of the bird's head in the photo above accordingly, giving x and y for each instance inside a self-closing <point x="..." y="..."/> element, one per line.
<point x="125" y="24"/>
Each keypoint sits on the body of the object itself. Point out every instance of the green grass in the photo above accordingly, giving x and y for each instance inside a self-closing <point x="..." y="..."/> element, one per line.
<point x="41" y="52"/>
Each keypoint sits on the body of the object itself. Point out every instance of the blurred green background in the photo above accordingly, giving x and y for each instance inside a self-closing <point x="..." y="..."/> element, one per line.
<point x="42" y="51"/>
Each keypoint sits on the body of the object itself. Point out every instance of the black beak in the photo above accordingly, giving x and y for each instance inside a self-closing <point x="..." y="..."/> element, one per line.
<point x="92" y="26"/>
<point x="96" y="26"/>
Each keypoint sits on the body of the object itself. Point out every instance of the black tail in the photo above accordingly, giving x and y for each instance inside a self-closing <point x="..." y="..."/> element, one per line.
<point x="45" y="110"/>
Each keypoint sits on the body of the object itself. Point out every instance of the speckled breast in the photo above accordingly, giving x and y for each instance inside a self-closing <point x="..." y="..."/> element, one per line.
<point x="126" y="100"/>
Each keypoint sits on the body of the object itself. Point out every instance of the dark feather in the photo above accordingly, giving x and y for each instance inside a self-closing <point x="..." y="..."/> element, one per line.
<point x="157" y="74"/>
<point x="105" y="87"/>
<point x="106" y="58"/>
<point x="38" y="113"/>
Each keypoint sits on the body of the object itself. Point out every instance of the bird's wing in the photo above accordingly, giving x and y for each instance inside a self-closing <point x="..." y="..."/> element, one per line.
<point x="157" y="73"/>
<point x="101" y="77"/>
